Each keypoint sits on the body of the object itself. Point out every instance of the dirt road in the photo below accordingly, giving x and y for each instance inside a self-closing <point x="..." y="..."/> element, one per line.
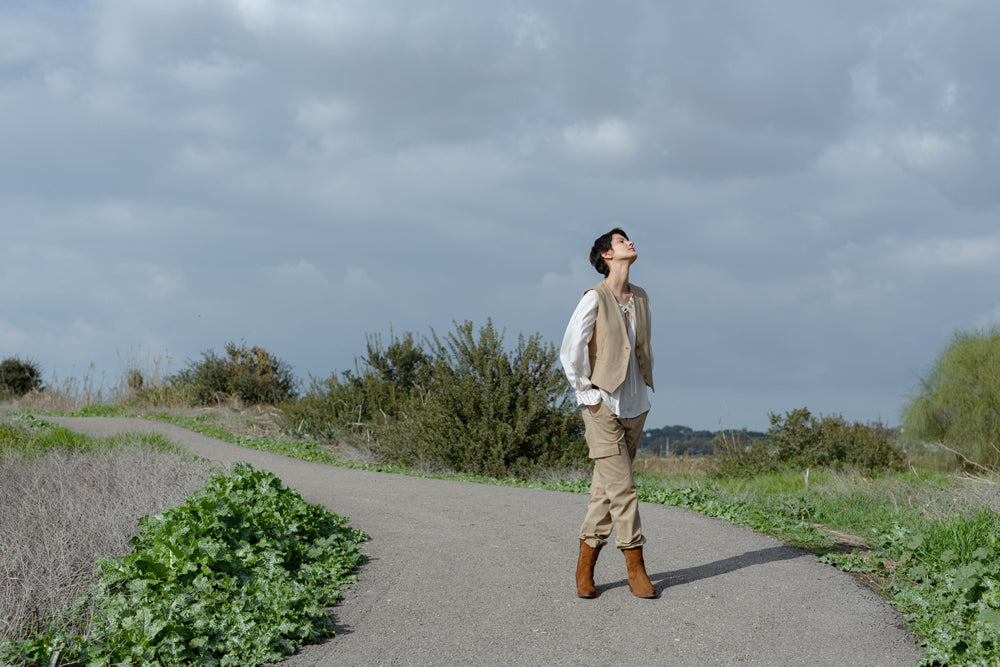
<point x="469" y="574"/>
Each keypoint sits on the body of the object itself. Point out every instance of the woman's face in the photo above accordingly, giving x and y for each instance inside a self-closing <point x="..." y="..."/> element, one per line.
<point x="621" y="248"/>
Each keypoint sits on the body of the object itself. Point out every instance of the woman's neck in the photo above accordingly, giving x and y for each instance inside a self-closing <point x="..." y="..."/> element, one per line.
<point x="617" y="279"/>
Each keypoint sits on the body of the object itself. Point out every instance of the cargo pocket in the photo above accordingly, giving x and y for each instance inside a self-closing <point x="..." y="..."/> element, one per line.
<point x="604" y="434"/>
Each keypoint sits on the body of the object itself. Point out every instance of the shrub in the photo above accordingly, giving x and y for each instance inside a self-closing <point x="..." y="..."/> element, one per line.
<point x="19" y="377"/>
<point x="250" y="374"/>
<point x="800" y="440"/>
<point x="135" y="380"/>
<point x="957" y="403"/>
<point x="460" y="402"/>
<point x="735" y="454"/>
<point x="374" y="392"/>
<point x="492" y="412"/>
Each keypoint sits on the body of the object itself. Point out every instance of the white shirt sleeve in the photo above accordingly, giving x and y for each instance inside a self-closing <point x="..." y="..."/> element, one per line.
<point x="574" y="353"/>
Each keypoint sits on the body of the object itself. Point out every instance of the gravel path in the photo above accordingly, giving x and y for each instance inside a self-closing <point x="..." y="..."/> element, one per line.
<point x="470" y="574"/>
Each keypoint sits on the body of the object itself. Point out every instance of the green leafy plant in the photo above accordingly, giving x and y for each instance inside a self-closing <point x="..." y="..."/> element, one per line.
<point x="957" y="404"/>
<point x="240" y="575"/>
<point x="946" y="579"/>
<point x="250" y="374"/>
<point x="19" y="377"/>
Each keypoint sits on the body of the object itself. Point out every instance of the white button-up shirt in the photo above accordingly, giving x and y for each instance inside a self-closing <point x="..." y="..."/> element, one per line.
<point x="631" y="398"/>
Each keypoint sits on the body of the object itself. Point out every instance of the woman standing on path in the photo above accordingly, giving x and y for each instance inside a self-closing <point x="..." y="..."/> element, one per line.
<point x="605" y="354"/>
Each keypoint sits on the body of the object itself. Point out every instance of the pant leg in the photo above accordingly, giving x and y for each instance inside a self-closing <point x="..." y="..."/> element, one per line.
<point x="613" y="500"/>
<point x="597" y="523"/>
<point x="633" y="433"/>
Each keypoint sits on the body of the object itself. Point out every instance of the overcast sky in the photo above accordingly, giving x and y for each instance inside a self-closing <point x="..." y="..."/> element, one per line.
<point x="812" y="187"/>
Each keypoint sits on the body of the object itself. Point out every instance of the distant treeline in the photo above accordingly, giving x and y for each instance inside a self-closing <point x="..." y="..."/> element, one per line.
<point x="683" y="440"/>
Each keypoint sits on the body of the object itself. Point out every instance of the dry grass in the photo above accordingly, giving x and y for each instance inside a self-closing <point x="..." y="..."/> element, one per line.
<point x="58" y="510"/>
<point x="254" y="421"/>
<point x="982" y="491"/>
<point x="48" y="400"/>
<point x="142" y="377"/>
<point x="154" y="396"/>
<point x="671" y="465"/>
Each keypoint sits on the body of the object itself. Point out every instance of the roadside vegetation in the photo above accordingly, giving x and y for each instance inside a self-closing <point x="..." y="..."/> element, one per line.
<point x="65" y="497"/>
<point x="914" y="513"/>
<point x="957" y="402"/>
<point x="455" y="402"/>
<point x="127" y="551"/>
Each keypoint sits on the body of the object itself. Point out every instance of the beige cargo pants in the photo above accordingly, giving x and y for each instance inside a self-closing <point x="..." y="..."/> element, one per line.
<point x="612" y="442"/>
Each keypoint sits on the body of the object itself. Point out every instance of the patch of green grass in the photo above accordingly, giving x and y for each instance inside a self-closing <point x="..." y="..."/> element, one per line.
<point x="27" y="436"/>
<point x="98" y="411"/>
<point x="945" y="578"/>
<point x="300" y="449"/>
<point x="784" y="481"/>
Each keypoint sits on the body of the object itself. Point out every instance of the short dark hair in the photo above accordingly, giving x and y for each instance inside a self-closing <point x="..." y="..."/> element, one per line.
<point x="601" y="246"/>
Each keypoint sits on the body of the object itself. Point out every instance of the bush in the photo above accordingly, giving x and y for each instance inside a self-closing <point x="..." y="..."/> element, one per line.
<point x="495" y="413"/>
<point x="376" y="391"/>
<point x="957" y="404"/>
<point x="19" y="377"/>
<point x="250" y="374"/>
<point x="800" y="440"/>
<point x="735" y="454"/>
<point x="462" y="403"/>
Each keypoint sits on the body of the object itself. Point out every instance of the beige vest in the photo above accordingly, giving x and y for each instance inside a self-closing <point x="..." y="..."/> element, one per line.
<point x="609" y="346"/>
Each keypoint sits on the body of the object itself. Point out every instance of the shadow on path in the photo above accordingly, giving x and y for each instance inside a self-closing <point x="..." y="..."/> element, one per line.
<point x="692" y="574"/>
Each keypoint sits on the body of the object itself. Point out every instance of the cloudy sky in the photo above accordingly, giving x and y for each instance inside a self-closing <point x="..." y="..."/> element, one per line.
<point x="812" y="187"/>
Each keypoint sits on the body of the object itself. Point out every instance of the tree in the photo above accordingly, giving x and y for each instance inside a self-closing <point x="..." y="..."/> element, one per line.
<point x="958" y="403"/>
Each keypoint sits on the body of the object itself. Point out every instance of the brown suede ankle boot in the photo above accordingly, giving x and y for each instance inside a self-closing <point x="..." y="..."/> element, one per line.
<point x="585" y="571"/>
<point x="638" y="581"/>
